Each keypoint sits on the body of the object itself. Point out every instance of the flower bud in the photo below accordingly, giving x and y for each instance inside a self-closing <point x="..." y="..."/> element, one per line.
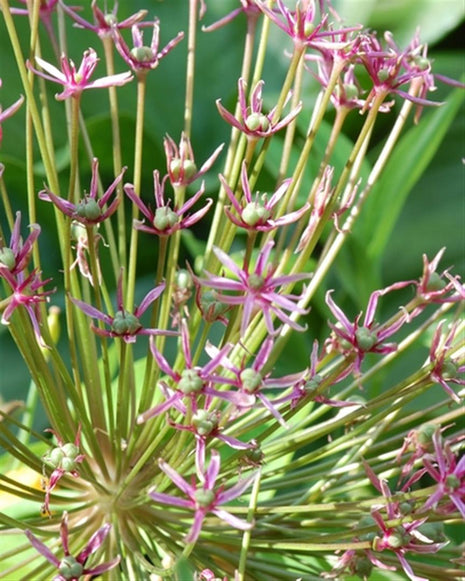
<point x="425" y="434"/>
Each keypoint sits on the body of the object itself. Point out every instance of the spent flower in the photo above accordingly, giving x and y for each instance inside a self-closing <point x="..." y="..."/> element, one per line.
<point x="204" y="497"/>
<point x="89" y="210"/>
<point x="72" y="568"/>
<point x="76" y="81"/>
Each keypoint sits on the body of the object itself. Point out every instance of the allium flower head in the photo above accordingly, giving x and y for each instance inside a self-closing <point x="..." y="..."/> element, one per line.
<point x="165" y="220"/>
<point x="256" y="290"/>
<point x="254" y="123"/>
<point x="72" y="568"/>
<point x="75" y="81"/>
<point x="204" y="498"/>
<point x="142" y="58"/>
<point x="89" y="210"/>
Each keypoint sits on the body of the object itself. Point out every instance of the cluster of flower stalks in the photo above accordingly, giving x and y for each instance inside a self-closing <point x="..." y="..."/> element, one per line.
<point x="230" y="421"/>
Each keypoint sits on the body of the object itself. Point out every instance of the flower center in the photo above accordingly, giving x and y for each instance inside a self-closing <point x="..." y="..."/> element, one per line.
<point x="251" y="380"/>
<point x="190" y="381"/>
<point x="204" y="498"/>
<point x="366" y="339"/>
<point x="186" y="169"/>
<point x="143" y="54"/>
<point x="125" y="323"/>
<point x="204" y="422"/>
<point x="88" y="209"/>
<point x="255" y="213"/>
<point x="435" y="283"/>
<point x="257" y="122"/>
<point x="256" y="281"/>
<point x="70" y="568"/>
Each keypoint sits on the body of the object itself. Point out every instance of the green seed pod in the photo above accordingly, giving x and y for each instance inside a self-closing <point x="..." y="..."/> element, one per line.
<point x="257" y="122"/>
<point x="183" y="279"/>
<point x="124" y="323"/>
<point x="204" y="422"/>
<point x="425" y="434"/>
<point x="190" y="381"/>
<point x="88" y="209"/>
<point x="251" y="380"/>
<point x="70" y="568"/>
<point x="255" y="213"/>
<point x="204" y="498"/>
<point x="366" y="339"/>
<point x="143" y="54"/>
<point x="165" y="218"/>
<point x="188" y="166"/>
<point x="7" y="258"/>
<point x="70" y="450"/>
<point x="450" y="369"/>
<point x="256" y="281"/>
<point x="435" y="283"/>
<point x="383" y="75"/>
<point x="55" y="457"/>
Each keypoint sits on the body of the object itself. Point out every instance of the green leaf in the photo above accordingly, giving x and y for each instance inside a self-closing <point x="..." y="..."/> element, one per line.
<point x="410" y="159"/>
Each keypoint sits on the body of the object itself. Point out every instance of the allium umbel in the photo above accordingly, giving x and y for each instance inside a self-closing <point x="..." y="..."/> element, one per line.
<point x="229" y="352"/>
